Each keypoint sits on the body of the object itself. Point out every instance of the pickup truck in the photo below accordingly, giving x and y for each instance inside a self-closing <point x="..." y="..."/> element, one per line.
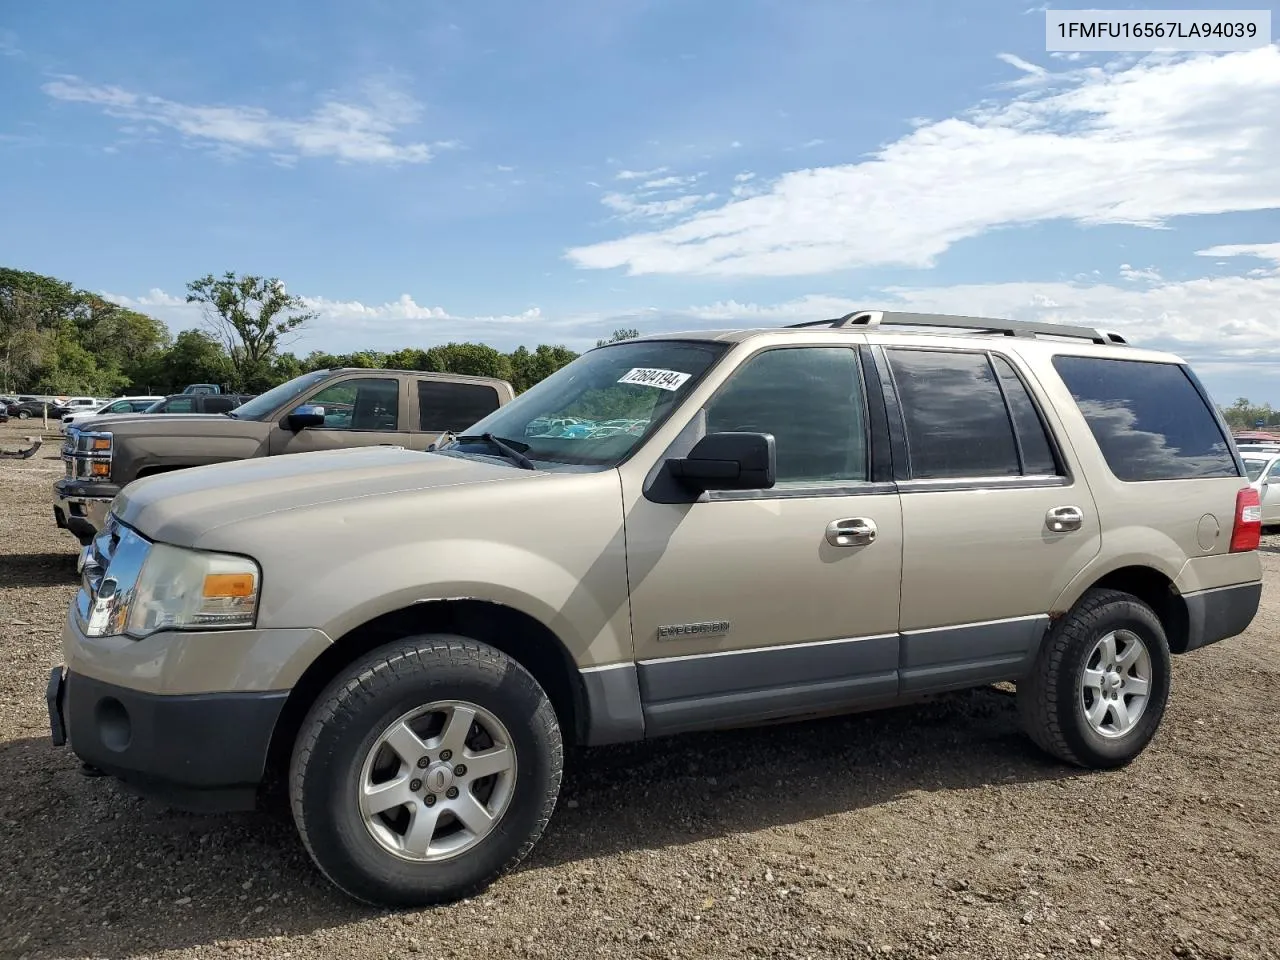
<point x="199" y="402"/>
<point x="322" y="410"/>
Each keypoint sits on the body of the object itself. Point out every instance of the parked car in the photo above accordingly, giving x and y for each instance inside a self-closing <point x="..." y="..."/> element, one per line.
<point x="4" y="414"/>
<point x="28" y="409"/>
<point x="114" y="408"/>
<point x="1263" y="470"/>
<point x="669" y="535"/>
<point x="199" y="403"/>
<point x="322" y="410"/>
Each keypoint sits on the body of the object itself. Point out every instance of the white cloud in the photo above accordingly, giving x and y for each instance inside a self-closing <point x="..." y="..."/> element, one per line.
<point x="364" y="132"/>
<point x="1020" y="64"/>
<point x="1263" y="251"/>
<point x="1136" y="144"/>
<point x="1135" y="273"/>
<point x="667" y="182"/>
<point x="629" y="208"/>
<point x="639" y="174"/>
<point x="1220" y="323"/>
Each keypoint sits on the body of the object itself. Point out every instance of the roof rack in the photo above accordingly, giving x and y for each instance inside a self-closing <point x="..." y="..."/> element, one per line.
<point x="1010" y="328"/>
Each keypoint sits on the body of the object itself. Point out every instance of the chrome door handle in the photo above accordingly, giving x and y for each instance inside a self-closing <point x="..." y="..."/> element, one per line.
<point x="853" y="532"/>
<point x="1064" y="519"/>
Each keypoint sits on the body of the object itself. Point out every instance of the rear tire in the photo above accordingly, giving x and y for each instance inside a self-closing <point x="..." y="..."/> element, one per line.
<point x="1100" y="684"/>
<point x="24" y="415"/>
<point x="374" y="780"/>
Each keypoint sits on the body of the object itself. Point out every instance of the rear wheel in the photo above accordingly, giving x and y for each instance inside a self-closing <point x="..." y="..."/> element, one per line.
<point x="1100" y="684"/>
<point x="425" y="770"/>
<point x="24" y="415"/>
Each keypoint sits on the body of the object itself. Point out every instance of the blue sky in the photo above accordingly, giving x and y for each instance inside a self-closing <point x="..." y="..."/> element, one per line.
<point x="524" y="172"/>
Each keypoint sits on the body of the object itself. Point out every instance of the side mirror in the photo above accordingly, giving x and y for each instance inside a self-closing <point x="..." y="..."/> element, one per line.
<point x="729" y="461"/>
<point x="305" y="416"/>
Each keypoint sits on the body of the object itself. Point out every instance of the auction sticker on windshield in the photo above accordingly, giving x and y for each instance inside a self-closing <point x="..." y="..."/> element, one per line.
<point x="654" y="377"/>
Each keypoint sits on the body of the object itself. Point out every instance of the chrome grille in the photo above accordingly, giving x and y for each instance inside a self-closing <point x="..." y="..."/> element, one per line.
<point x="110" y="567"/>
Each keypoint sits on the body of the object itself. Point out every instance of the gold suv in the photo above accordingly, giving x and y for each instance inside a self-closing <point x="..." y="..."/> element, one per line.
<point x="672" y="533"/>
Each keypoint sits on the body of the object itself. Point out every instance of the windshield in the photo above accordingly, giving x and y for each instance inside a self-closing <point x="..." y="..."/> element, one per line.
<point x="1254" y="468"/>
<point x="597" y="409"/>
<point x="265" y="403"/>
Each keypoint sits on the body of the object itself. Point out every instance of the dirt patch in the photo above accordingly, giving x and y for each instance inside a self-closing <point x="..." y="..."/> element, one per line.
<point x="934" y="831"/>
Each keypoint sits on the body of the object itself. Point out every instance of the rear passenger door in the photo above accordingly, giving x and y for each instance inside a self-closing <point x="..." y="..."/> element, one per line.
<point x="437" y="405"/>
<point x="994" y="522"/>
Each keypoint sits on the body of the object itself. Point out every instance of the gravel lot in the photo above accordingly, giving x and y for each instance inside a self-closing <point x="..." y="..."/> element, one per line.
<point x="931" y="831"/>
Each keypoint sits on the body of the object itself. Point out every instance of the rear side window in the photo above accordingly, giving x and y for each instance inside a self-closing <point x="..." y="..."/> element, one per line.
<point x="445" y="405"/>
<point x="1149" y="419"/>
<point x="179" y="405"/>
<point x="956" y="419"/>
<point x="1033" y="440"/>
<point x="218" y="404"/>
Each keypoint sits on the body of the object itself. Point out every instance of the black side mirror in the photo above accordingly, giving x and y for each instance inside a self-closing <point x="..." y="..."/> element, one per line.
<point x="305" y="416"/>
<point x="729" y="461"/>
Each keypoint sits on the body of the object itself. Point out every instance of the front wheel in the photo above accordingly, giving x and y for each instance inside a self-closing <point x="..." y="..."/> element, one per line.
<point x="24" y="415"/>
<point x="424" y="771"/>
<point x="1098" y="690"/>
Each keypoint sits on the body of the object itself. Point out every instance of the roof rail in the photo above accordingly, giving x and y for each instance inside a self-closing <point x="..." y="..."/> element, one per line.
<point x="1010" y="328"/>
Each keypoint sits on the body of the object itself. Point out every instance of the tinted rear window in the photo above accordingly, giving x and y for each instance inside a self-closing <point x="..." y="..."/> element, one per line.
<point x="1148" y="418"/>
<point x="445" y="405"/>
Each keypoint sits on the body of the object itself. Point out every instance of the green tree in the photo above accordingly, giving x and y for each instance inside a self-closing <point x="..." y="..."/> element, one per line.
<point x="473" y="359"/>
<point x="251" y="316"/>
<point x="618" y="336"/>
<point x="529" y="368"/>
<point x="195" y="357"/>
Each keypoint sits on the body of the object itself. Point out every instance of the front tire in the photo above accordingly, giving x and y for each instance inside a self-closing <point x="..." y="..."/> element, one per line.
<point x="424" y="771"/>
<point x="24" y="415"/>
<point x="1100" y="684"/>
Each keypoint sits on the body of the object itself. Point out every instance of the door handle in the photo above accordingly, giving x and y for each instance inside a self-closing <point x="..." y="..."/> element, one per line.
<point x="852" y="532"/>
<point x="1064" y="519"/>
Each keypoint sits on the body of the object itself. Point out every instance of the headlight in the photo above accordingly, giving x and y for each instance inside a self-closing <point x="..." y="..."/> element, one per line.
<point x="190" y="590"/>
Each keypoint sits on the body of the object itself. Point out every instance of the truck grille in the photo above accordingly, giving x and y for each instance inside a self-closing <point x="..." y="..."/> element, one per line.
<point x="110" y="567"/>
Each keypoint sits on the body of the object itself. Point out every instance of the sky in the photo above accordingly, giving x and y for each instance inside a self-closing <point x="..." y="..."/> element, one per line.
<point x="546" y="172"/>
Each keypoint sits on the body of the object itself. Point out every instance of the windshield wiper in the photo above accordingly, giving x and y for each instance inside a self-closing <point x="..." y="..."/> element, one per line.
<point x="508" y="451"/>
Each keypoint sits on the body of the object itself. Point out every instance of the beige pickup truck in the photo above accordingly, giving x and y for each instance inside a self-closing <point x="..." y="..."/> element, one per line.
<point x="670" y="535"/>
<point x="323" y="410"/>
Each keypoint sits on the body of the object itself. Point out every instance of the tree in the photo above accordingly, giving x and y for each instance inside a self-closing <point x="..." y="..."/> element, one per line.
<point x="619" y="335"/>
<point x="195" y="357"/>
<point x="251" y="317"/>
<point x="473" y="359"/>
<point x="528" y="368"/>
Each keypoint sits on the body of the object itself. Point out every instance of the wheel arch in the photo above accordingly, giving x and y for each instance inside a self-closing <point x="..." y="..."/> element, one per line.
<point x="517" y="634"/>
<point x="1157" y="590"/>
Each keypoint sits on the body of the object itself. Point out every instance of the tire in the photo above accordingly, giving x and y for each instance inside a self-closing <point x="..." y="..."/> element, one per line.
<point x="337" y="754"/>
<point x="1055" y="701"/>
<point x="24" y="415"/>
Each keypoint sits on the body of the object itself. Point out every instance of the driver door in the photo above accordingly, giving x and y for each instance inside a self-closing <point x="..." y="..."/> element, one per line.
<point x="751" y="604"/>
<point x="358" y="411"/>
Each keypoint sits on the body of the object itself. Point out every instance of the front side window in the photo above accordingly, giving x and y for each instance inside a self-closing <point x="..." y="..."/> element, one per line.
<point x="1148" y="418"/>
<point x="956" y="419"/>
<point x="267" y="403"/>
<point x="597" y="409"/>
<point x="123" y="406"/>
<point x="811" y="400"/>
<point x="371" y="403"/>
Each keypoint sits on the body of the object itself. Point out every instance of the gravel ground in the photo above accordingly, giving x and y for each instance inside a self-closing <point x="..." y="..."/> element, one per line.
<point x="932" y="831"/>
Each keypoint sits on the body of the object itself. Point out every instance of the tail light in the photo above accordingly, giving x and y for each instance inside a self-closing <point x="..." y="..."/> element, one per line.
<point x="1247" y="533"/>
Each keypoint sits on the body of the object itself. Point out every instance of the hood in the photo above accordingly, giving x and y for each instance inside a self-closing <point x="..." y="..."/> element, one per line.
<point x="181" y="506"/>
<point x="173" y="424"/>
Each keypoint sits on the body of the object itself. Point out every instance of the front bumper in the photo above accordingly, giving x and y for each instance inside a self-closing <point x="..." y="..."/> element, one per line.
<point x="82" y="507"/>
<point x="201" y="752"/>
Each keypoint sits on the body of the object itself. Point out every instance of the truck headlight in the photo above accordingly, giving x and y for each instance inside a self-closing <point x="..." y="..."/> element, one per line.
<point x="180" y="589"/>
